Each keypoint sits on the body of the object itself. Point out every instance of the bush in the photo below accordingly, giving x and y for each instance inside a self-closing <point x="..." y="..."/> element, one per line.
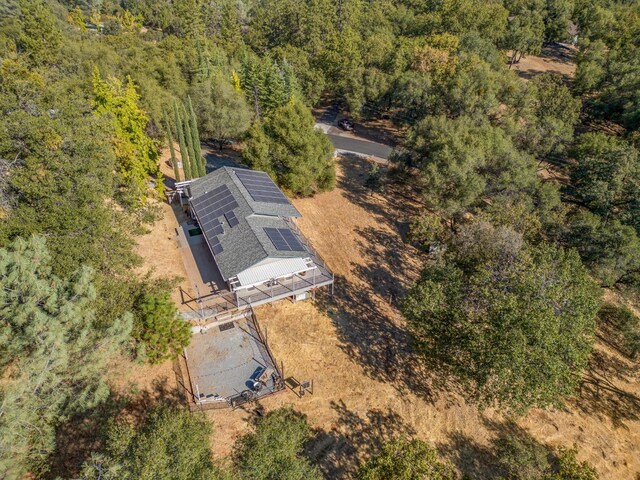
<point x="272" y="450"/>
<point x="424" y="231"/>
<point x="406" y="460"/>
<point x="374" y="179"/>
<point x="522" y="458"/>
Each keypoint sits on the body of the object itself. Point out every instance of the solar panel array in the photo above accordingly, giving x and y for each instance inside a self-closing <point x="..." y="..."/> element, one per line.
<point x="284" y="239"/>
<point x="209" y="207"/>
<point x="261" y="187"/>
<point x="231" y="218"/>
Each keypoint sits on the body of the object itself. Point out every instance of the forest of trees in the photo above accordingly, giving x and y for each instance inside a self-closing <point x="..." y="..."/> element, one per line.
<point x="510" y="297"/>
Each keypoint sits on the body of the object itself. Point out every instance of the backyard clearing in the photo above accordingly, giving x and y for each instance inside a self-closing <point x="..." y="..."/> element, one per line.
<point x="367" y="385"/>
<point x="554" y="58"/>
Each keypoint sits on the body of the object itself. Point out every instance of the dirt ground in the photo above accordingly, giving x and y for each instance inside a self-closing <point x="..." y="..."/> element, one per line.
<point x="552" y="59"/>
<point x="354" y="346"/>
<point x="367" y="387"/>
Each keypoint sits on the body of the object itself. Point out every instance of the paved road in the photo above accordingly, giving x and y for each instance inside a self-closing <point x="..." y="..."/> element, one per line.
<point x="347" y="143"/>
<point x="362" y="147"/>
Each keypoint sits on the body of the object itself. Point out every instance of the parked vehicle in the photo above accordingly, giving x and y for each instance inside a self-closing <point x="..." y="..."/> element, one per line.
<point x="346" y="124"/>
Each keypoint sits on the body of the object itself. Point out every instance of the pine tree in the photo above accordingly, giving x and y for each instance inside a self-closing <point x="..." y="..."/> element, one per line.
<point x="53" y="353"/>
<point x="159" y="329"/>
<point x="174" y="160"/>
<point x="202" y="171"/>
<point x="184" y="149"/>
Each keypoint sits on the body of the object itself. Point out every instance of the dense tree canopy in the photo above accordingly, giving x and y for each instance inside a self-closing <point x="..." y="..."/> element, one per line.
<point x="514" y="322"/>
<point x="463" y="160"/>
<point x="502" y="308"/>
<point x="291" y="150"/>
<point x="53" y="353"/>
<point x="606" y="177"/>
<point x="170" y="444"/>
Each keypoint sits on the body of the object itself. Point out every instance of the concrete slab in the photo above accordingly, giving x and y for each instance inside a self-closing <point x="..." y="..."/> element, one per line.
<point x="225" y="361"/>
<point x="198" y="261"/>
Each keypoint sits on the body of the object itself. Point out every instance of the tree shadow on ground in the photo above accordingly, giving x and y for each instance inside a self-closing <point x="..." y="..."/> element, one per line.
<point x="381" y="345"/>
<point x="600" y="393"/>
<point x="389" y="271"/>
<point x="365" y="305"/>
<point x="84" y="433"/>
<point x="401" y="201"/>
<point x="338" y="452"/>
<point x="479" y="462"/>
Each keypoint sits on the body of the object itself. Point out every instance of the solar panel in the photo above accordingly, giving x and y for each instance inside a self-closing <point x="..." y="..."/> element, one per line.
<point x="218" y="229"/>
<point x="232" y="219"/>
<point x="216" y="248"/>
<point x="284" y="239"/>
<point x="209" y="207"/>
<point x="276" y="238"/>
<point x="261" y="187"/>
<point x="214" y="203"/>
<point x="291" y="240"/>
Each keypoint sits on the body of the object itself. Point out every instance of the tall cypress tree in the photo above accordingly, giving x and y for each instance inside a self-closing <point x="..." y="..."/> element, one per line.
<point x="191" y="148"/>
<point x="174" y="160"/>
<point x="184" y="152"/>
<point x="196" y="139"/>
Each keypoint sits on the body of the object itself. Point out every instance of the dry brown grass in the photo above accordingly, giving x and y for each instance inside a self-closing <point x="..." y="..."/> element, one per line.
<point x="355" y="347"/>
<point x="367" y="386"/>
<point x="552" y="59"/>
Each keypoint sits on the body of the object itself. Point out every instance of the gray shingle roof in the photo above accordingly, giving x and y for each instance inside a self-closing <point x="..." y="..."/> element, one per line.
<point x="245" y="244"/>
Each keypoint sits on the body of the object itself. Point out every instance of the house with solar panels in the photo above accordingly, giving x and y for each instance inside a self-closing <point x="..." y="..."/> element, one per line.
<point x="248" y="225"/>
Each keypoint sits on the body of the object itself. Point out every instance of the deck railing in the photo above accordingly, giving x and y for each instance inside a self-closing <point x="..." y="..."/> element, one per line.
<point x="225" y="304"/>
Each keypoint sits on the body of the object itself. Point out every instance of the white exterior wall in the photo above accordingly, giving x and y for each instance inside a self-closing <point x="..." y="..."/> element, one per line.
<point x="272" y="268"/>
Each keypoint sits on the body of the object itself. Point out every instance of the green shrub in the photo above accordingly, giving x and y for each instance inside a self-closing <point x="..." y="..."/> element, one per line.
<point x="424" y="230"/>
<point x="406" y="460"/>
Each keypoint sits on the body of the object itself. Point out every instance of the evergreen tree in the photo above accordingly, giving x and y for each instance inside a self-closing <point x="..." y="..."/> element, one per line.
<point x="40" y="37"/>
<point x="54" y="353"/>
<point x="292" y="151"/>
<point x="162" y="333"/>
<point x="191" y="150"/>
<point x="193" y="123"/>
<point x="136" y="151"/>
<point x="184" y="149"/>
<point x="172" y="150"/>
